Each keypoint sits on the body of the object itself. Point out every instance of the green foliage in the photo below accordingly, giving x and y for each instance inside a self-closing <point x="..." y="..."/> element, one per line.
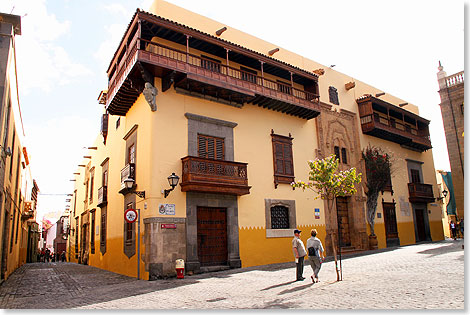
<point x="327" y="182"/>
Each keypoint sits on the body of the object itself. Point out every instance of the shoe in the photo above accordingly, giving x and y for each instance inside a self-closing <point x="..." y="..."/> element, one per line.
<point x="300" y="279"/>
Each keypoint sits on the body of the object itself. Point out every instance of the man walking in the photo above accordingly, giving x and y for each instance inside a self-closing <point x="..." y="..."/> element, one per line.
<point x="315" y="254"/>
<point x="299" y="254"/>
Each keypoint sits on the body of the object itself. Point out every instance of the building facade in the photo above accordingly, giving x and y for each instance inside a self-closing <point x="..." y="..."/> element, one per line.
<point x="18" y="190"/>
<point x="236" y="119"/>
<point x="451" y="91"/>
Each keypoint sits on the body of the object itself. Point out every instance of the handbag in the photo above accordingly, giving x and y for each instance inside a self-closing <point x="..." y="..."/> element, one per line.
<point x="312" y="252"/>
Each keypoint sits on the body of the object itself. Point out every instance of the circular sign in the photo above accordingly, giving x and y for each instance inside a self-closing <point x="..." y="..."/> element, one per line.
<point x="130" y="215"/>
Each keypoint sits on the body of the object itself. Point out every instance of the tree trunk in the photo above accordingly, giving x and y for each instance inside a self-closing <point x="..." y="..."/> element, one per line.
<point x="371" y="205"/>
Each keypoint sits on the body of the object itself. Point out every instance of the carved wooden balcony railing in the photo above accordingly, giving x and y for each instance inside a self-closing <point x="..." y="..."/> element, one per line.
<point x="127" y="172"/>
<point x="137" y="57"/>
<point x="102" y="196"/>
<point x="214" y="176"/>
<point x="420" y="193"/>
<point x="394" y="129"/>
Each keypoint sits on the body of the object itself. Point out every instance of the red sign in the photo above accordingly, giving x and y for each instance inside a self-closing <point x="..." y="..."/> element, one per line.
<point x="130" y="215"/>
<point x="168" y="226"/>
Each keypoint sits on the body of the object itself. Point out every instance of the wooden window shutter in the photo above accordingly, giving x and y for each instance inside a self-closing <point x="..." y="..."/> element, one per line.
<point x="283" y="159"/>
<point x="211" y="147"/>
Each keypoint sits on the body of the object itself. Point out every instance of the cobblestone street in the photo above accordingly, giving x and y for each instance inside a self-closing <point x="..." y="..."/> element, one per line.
<point x="429" y="275"/>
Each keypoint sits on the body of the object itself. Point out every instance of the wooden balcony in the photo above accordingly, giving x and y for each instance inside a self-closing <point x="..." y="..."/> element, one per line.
<point x="392" y="123"/>
<point x="139" y="58"/>
<point x="214" y="176"/>
<point x="420" y="193"/>
<point x="102" y="196"/>
<point x="127" y="172"/>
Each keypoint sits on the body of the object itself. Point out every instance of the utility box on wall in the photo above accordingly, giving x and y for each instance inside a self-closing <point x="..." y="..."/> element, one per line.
<point x="165" y="242"/>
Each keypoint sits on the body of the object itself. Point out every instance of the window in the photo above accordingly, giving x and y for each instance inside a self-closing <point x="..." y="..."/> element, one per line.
<point x="74" y="202"/>
<point x="76" y="237"/>
<point x="248" y="74"/>
<point x="337" y="153"/>
<point x="341" y="155"/>
<point x="131" y="154"/>
<point x="103" y="231"/>
<point x="19" y="210"/>
<point x="415" y="178"/>
<point x="461" y="108"/>
<point x="13" y="225"/>
<point x="279" y="217"/>
<point x="210" y="147"/>
<point x="283" y="159"/>
<point x="344" y="158"/>
<point x="105" y="178"/>
<point x="333" y="93"/>
<point x="92" y="180"/>
<point x="87" y="184"/>
<point x="92" y="233"/>
<point x="12" y="151"/>
<point x="210" y="63"/>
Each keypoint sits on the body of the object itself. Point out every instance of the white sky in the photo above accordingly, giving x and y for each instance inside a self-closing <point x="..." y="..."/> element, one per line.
<point x="66" y="46"/>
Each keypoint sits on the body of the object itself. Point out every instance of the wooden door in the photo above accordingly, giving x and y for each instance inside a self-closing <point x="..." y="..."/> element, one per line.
<point x="212" y="236"/>
<point x="343" y="219"/>
<point x="421" y="233"/>
<point x="390" y="218"/>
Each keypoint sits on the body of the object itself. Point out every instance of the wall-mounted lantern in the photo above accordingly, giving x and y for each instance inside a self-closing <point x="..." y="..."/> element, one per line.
<point x="173" y="181"/>
<point x="129" y="182"/>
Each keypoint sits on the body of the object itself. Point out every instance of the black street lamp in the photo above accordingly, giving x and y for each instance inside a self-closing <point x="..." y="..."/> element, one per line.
<point x="173" y="181"/>
<point x="129" y="182"/>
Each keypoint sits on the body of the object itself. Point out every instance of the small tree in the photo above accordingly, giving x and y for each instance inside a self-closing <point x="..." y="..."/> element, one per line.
<point x="378" y="171"/>
<point x="328" y="183"/>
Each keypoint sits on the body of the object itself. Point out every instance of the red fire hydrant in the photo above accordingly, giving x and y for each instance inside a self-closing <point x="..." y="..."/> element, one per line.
<point x="180" y="268"/>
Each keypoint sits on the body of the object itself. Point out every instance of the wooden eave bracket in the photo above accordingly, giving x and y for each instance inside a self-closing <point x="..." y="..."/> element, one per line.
<point x="220" y="31"/>
<point x="273" y="51"/>
<point x="319" y="71"/>
<point x="350" y="85"/>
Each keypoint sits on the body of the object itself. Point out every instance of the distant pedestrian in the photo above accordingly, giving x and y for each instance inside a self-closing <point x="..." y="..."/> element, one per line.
<point x="299" y="254"/>
<point x="62" y="256"/>
<point x="453" y="229"/>
<point x="461" y="227"/>
<point x="47" y="255"/>
<point x="315" y="254"/>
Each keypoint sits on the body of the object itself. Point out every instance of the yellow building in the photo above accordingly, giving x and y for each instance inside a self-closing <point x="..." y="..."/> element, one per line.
<point x="18" y="190"/>
<point x="236" y="119"/>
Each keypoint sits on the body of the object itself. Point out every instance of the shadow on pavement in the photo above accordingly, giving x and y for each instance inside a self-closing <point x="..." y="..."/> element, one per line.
<point x="448" y="247"/>
<point x="278" y="285"/>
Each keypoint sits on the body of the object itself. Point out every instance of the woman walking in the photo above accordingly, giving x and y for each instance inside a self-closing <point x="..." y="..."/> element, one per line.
<point x="315" y="254"/>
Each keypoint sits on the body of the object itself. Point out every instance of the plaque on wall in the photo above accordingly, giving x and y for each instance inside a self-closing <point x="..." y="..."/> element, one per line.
<point x="166" y="209"/>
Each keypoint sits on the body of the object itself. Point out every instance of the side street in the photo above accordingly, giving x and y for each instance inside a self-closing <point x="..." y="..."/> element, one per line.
<point x="423" y="276"/>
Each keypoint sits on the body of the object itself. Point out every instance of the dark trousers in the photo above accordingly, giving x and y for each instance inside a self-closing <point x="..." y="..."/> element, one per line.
<point x="300" y="268"/>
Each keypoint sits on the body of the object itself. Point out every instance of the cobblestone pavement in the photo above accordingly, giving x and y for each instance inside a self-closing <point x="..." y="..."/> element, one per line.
<point x="423" y="276"/>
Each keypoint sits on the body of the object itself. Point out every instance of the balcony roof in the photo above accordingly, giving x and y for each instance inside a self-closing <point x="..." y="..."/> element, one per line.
<point x="368" y="97"/>
<point x="208" y="39"/>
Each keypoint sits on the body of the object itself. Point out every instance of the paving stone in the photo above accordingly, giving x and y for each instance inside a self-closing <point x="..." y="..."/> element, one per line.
<point x="422" y="276"/>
